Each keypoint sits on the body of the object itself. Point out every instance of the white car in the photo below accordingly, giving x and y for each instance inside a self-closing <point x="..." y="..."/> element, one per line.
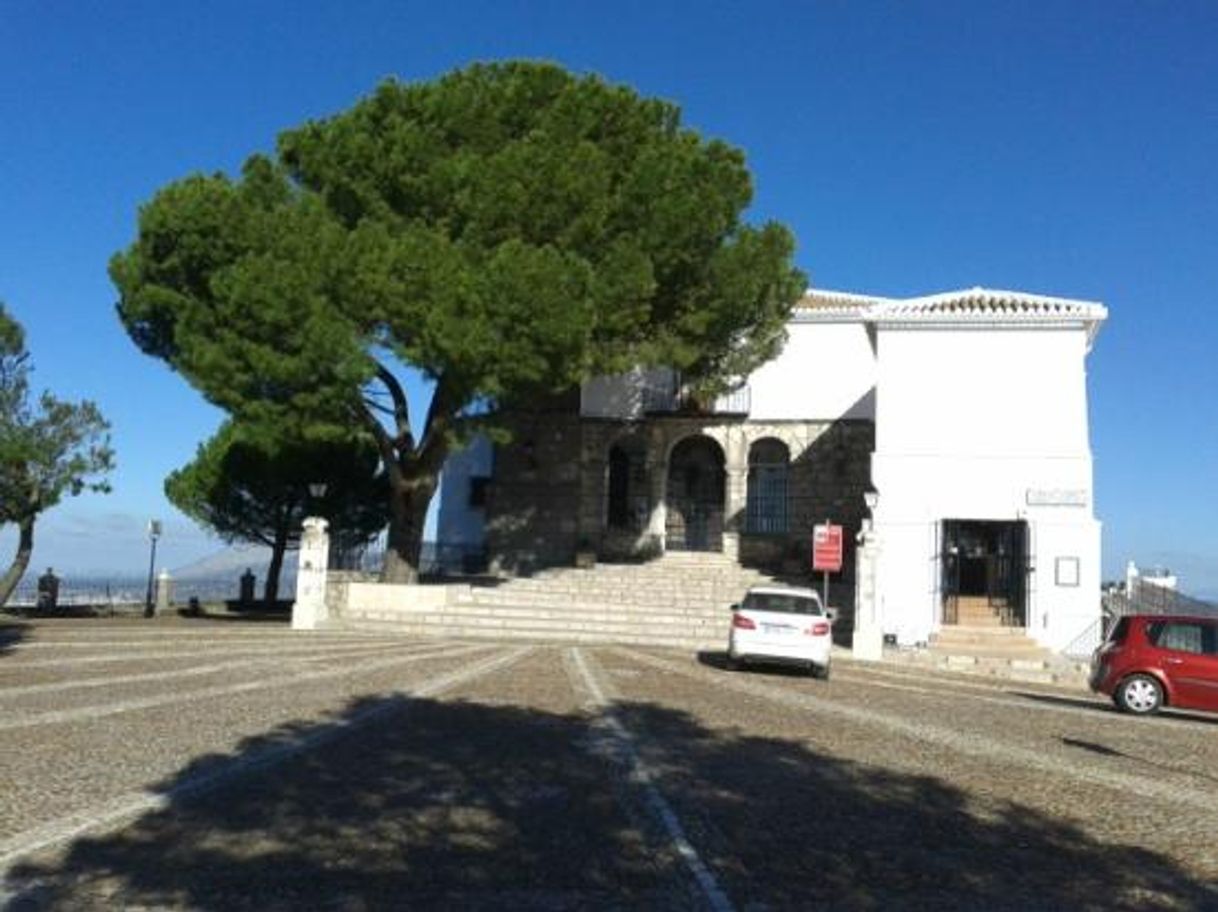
<point x="783" y="625"/>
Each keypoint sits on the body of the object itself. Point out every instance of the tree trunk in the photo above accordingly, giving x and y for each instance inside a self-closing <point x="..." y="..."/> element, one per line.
<point x="25" y="547"/>
<point x="270" y="593"/>
<point x="405" y="540"/>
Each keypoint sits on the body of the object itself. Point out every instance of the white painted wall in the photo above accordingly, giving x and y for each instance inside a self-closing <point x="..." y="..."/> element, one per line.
<point x="825" y="371"/>
<point x="984" y="423"/>
<point x="459" y="523"/>
<point x="982" y="390"/>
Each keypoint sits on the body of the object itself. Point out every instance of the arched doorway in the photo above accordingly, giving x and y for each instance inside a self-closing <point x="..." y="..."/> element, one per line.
<point x="694" y="496"/>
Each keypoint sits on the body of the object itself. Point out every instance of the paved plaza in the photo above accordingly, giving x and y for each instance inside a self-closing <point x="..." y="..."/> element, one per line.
<point x="220" y="764"/>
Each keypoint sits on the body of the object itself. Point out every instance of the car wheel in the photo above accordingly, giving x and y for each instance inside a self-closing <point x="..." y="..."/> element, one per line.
<point x="1140" y="694"/>
<point x="821" y="672"/>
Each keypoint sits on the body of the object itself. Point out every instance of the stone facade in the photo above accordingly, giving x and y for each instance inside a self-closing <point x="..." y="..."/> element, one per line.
<point x="532" y="501"/>
<point x="550" y="495"/>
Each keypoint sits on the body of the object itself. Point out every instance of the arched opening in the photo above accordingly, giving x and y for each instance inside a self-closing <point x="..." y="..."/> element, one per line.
<point x="626" y="507"/>
<point x="766" y="510"/>
<point x="694" y="496"/>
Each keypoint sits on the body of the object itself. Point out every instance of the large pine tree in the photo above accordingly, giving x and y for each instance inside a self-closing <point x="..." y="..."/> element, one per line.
<point x="507" y="230"/>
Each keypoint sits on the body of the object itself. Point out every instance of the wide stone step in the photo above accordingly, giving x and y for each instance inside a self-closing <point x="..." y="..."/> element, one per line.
<point x="498" y="616"/>
<point x="474" y="629"/>
<point x="502" y="616"/>
<point x="964" y="632"/>
<point x="667" y="583"/>
<point x="1033" y="670"/>
<point x="560" y="596"/>
<point x="668" y="579"/>
<point x="576" y="600"/>
<point x="979" y="620"/>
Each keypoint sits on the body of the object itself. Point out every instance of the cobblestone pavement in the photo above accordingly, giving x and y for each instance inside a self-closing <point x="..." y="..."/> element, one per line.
<point x="202" y="764"/>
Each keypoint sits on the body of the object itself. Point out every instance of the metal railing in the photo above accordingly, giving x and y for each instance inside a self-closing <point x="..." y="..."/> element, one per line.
<point x="1145" y="597"/>
<point x="665" y="400"/>
<point x="1142" y="598"/>
<point x="1088" y="640"/>
<point x="435" y="559"/>
<point x="114" y="594"/>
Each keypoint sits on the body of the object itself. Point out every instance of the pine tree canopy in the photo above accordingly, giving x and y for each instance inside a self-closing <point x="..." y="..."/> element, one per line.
<point x="508" y="229"/>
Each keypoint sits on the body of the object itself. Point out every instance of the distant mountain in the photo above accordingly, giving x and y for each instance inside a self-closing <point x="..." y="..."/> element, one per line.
<point x="232" y="562"/>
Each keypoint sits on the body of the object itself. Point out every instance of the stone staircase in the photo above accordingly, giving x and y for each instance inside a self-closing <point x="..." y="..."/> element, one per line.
<point x="680" y="600"/>
<point x="980" y="644"/>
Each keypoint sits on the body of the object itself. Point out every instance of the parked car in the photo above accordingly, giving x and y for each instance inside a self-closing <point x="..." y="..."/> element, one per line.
<point x="1150" y="661"/>
<point x="783" y="625"/>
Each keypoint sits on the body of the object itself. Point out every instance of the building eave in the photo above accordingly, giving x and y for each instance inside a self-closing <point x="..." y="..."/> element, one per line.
<point x="974" y="307"/>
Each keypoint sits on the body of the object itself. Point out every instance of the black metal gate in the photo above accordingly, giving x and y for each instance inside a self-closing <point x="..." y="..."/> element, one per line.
<point x="983" y="558"/>
<point x="695" y="496"/>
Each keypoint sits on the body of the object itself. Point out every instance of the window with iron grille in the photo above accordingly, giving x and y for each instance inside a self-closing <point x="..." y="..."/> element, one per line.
<point x="766" y="500"/>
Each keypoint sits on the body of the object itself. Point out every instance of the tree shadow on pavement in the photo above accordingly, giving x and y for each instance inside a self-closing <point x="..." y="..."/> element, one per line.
<point x="420" y="804"/>
<point x="11" y="633"/>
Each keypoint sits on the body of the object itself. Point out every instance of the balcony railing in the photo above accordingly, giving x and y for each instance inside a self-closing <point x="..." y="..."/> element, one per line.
<point x="665" y="400"/>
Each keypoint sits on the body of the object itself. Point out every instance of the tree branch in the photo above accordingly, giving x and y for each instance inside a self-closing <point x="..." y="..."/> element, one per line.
<point x="401" y="408"/>
<point x="384" y="444"/>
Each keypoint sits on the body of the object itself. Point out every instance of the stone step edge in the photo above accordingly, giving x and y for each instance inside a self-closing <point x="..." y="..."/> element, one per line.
<point x="568" y="609"/>
<point x="467" y="631"/>
<point x="432" y="619"/>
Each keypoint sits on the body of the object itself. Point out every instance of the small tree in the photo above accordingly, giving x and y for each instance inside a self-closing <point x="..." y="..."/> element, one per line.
<point x="48" y="449"/>
<point x="507" y="230"/>
<point x="251" y="486"/>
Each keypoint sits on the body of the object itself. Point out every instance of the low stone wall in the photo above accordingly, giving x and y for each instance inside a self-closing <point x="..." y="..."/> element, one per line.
<point x="358" y="595"/>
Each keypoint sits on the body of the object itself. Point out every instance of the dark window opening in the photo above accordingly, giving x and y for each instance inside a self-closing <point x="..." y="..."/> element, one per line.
<point x="627" y="496"/>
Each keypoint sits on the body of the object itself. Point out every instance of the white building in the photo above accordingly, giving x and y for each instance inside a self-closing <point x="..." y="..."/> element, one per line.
<point x="965" y="412"/>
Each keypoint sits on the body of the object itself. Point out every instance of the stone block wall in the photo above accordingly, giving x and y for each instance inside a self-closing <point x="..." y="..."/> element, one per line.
<point x="549" y="494"/>
<point x="532" y="501"/>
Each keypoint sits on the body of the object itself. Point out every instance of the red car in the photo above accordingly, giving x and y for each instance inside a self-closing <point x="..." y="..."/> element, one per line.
<point x="1150" y="661"/>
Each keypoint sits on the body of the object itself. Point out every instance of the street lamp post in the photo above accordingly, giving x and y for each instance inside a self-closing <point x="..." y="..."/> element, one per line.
<point x="154" y="532"/>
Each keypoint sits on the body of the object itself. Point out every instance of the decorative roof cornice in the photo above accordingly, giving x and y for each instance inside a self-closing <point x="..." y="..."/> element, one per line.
<point x="973" y="306"/>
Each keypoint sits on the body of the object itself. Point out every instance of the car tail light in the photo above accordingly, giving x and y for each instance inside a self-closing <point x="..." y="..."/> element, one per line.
<point x="744" y="623"/>
<point x="819" y="629"/>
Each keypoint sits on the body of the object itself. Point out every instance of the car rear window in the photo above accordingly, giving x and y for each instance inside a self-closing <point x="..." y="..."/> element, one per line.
<point x="1119" y="631"/>
<point x="786" y="604"/>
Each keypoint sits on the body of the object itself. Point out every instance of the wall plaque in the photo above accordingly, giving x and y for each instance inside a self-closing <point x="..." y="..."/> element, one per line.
<point x="1057" y="497"/>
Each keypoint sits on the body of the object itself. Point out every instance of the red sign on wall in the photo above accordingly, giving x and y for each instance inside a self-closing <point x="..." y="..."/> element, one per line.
<point x="827" y="548"/>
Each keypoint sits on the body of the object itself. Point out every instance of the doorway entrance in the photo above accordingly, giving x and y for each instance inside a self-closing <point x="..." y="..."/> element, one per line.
<point x="984" y="569"/>
<point x="694" y="496"/>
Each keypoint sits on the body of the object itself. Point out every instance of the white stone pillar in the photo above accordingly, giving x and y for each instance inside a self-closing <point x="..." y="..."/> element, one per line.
<point x="1131" y="574"/>
<point x="164" y="594"/>
<point x="734" y="501"/>
<point x="868" y="642"/>
<point x="657" y="472"/>
<point x="309" y="609"/>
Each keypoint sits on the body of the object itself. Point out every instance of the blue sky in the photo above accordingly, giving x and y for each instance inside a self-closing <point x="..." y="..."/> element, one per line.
<point x="1063" y="148"/>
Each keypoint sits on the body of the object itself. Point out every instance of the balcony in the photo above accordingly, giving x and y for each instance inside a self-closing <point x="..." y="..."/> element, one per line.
<point x="669" y="401"/>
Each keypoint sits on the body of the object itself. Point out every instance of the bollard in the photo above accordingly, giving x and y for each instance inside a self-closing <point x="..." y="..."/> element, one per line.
<point x="164" y="593"/>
